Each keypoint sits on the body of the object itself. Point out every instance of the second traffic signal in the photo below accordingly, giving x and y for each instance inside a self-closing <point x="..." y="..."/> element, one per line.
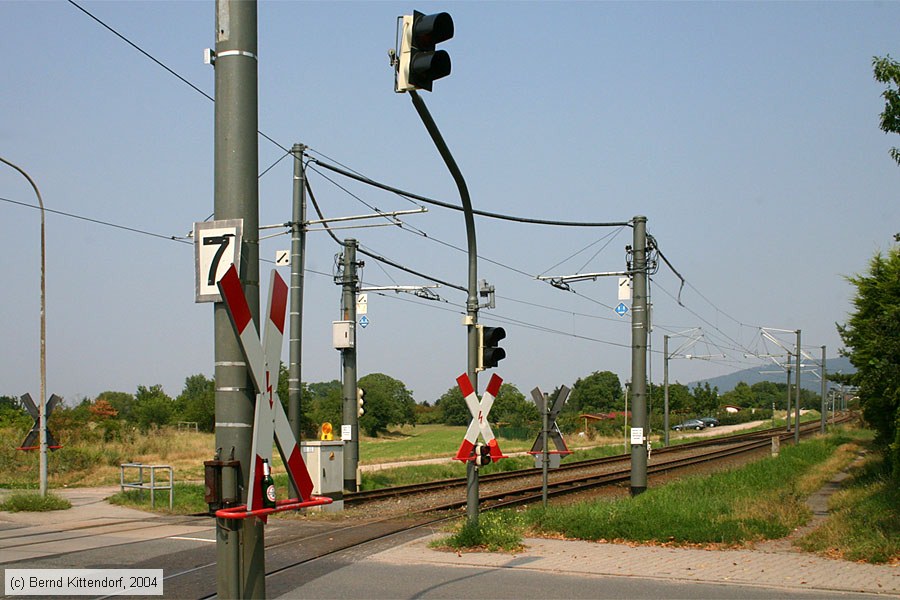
<point x="360" y="401"/>
<point x="489" y="352"/>
<point x="420" y="63"/>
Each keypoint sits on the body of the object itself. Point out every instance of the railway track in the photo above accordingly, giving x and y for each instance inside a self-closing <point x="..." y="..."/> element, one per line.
<point x="608" y="462"/>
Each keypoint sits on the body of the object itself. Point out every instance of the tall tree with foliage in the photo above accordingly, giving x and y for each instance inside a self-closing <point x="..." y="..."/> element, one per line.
<point x="706" y="398"/>
<point x="197" y="402"/>
<point x="388" y="402"/>
<point x="887" y="71"/>
<point x="510" y="406"/>
<point x="452" y="407"/>
<point x="600" y="391"/>
<point x="872" y="336"/>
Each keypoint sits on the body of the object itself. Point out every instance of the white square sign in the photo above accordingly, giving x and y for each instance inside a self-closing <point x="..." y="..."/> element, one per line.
<point x="217" y="246"/>
<point x="637" y="436"/>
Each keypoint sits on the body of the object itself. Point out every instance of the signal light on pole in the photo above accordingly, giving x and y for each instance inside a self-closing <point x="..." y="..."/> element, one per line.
<point x="420" y="64"/>
<point x="482" y="455"/>
<point x="360" y="400"/>
<point x="489" y="353"/>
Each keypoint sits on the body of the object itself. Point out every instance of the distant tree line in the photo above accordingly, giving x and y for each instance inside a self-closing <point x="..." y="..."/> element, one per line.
<point x="389" y="403"/>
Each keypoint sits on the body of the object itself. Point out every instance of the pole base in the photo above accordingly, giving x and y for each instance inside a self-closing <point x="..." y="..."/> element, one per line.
<point x="637" y="490"/>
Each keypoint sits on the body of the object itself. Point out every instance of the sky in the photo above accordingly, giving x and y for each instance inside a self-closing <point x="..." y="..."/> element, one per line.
<point x="746" y="133"/>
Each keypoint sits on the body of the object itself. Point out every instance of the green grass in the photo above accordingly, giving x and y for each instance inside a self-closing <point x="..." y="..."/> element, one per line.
<point x="187" y="499"/>
<point x="422" y="441"/>
<point x="34" y="502"/>
<point x="763" y="500"/>
<point x="865" y="523"/>
<point x="498" y="531"/>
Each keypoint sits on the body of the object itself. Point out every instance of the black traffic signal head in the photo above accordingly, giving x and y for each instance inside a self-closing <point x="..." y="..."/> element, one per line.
<point x="420" y="64"/>
<point x="489" y="353"/>
<point x="482" y="455"/>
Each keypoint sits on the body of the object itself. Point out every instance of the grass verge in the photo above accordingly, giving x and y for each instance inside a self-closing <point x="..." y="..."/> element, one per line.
<point x="187" y="499"/>
<point x="763" y="500"/>
<point x="34" y="502"/>
<point x="864" y="524"/>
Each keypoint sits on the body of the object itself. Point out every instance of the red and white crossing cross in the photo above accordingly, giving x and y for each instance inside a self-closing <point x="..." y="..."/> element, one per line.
<point x="263" y="361"/>
<point x="479" y="423"/>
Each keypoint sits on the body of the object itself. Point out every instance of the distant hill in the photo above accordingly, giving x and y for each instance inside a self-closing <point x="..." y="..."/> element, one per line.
<point x="810" y="382"/>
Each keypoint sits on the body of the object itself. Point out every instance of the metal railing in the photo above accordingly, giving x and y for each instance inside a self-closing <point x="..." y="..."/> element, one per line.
<point x="153" y="484"/>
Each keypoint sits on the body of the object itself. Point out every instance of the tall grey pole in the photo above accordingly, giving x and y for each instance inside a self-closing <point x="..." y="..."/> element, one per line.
<point x="298" y="264"/>
<point x="240" y="550"/>
<point x="824" y="405"/>
<point x="639" y="357"/>
<point x="797" y="393"/>
<point x="788" y="411"/>
<point x="472" y="299"/>
<point x="348" y="357"/>
<point x="42" y="406"/>
<point x="545" y="465"/>
<point x="666" y="390"/>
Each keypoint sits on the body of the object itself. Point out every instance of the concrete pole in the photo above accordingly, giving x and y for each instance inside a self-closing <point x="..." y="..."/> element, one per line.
<point x="298" y="264"/>
<point x="545" y="450"/>
<point x="666" y="390"/>
<point x="42" y="405"/>
<point x="348" y="358"/>
<point x="639" y="327"/>
<point x="797" y="394"/>
<point x="824" y="405"/>
<point x="787" y="413"/>
<point x="240" y="550"/>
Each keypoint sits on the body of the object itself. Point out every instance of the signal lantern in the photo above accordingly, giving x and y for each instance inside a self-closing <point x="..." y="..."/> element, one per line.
<point x="482" y="455"/>
<point x="420" y="63"/>
<point x="360" y="400"/>
<point x="489" y="352"/>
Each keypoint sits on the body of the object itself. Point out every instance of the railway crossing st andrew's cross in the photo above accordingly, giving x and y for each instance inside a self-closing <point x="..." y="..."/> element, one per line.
<point x="479" y="423"/>
<point x="269" y="419"/>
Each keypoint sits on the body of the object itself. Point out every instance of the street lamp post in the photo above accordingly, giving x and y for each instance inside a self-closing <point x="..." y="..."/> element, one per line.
<point x="42" y="407"/>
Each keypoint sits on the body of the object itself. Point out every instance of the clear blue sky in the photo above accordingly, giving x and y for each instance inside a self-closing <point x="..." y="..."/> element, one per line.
<point x="747" y="134"/>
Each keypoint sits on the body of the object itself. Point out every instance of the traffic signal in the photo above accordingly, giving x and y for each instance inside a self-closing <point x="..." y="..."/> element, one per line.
<point x="482" y="455"/>
<point x="360" y="400"/>
<point x="489" y="353"/>
<point x="420" y="64"/>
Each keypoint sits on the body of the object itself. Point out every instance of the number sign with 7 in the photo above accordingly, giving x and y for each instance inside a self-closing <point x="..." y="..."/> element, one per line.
<point x="217" y="246"/>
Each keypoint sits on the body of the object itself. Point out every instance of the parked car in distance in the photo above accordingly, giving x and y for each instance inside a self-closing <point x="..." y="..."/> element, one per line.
<point x="690" y="424"/>
<point x="709" y="421"/>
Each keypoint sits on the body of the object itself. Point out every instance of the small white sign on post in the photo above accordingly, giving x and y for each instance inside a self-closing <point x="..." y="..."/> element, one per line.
<point x="346" y="433"/>
<point x="362" y="304"/>
<point x="624" y="288"/>
<point x="282" y="258"/>
<point x="637" y="436"/>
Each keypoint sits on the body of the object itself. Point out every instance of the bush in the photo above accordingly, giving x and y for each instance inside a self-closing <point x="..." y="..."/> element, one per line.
<point x="494" y="531"/>
<point x="34" y="502"/>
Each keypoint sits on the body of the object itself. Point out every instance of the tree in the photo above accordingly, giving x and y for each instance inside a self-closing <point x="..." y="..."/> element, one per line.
<point x="153" y="407"/>
<point x="742" y="395"/>
<point x="887" y="70"/>
<point x="12" y="413"/>
<point x="600" y="391"/>
<point x="510" y="406"/>
<point x="453" y="408"/>
<point x="872" y="336"/>
<point x="122" y="402"/>
<point x="679" y="398"/>
<point x="197" y="401"/>
<point x="388" y="402"/>
<point x="705" y="398"/>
